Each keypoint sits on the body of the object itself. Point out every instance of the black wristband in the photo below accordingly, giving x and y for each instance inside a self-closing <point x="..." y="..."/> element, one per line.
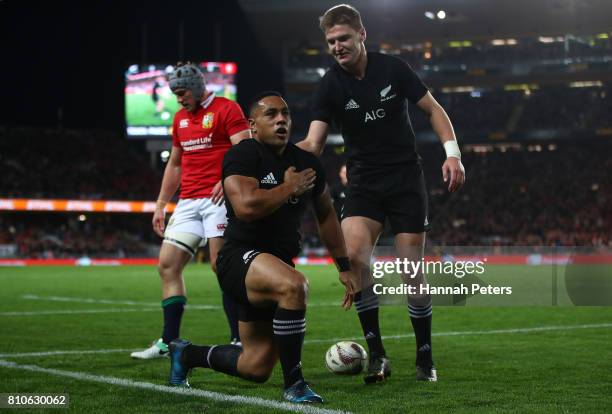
<point x="343" y="263"/>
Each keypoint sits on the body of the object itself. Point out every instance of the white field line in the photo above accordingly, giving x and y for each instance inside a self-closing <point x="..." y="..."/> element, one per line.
<point x="156" y="305"/>
<point x="333" y="340"/>
<point x="469" y="333"/>
<point x="135" y="303"/>
<point x="76" y="311"/>
<point x="74" y="352"/>
<point x="189" y="392"/>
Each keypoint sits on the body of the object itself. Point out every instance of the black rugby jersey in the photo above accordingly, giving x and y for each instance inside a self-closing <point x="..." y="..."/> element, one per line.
<point x="372" y="113"/>
<point x="277" y="233"/>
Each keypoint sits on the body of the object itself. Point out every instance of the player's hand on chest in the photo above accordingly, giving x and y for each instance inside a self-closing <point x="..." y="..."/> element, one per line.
<point x="274" y="175"/>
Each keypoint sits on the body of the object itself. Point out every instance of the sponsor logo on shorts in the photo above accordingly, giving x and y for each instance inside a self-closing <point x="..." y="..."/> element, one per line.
<point x="207" y="120"/>
<point x="184" y="123"/>
<point x="221" y="226"/>
<point x="250" y="255"/>
<point x="426" y="221"/>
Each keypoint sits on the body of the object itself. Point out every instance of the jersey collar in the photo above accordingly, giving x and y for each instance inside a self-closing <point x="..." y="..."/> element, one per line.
<point x="208" y="101"/>
<point x="348" y="74"/>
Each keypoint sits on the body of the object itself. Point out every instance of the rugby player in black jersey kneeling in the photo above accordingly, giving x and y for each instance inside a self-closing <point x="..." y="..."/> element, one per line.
<point x="268" y="183"/>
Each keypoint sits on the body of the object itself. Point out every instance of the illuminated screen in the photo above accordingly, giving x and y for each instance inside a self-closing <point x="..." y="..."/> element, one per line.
<point x="149" y="103"/>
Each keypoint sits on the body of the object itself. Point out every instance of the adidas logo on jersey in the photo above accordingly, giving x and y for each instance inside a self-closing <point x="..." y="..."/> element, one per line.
<point x="351" y="105"/>
<point x="269" y="179"/>
<point x="184" y="123"/>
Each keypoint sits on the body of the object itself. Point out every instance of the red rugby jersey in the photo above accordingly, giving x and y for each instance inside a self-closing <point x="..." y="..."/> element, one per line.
<point x="204" y="138"/>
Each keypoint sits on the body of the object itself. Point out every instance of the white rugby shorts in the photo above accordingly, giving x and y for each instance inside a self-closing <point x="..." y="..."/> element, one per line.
<point x="193" y="221"/>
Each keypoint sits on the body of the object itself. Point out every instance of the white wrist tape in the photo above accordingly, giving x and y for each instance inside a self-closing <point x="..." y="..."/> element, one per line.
<point x="452" y="149"/>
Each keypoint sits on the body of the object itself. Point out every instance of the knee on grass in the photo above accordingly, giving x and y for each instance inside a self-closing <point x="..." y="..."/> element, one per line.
<point x="255" y="372"/>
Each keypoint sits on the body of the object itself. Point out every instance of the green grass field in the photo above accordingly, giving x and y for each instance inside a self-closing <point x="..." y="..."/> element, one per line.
<point x="504" y="359"/>
<point x="140" y="110"/>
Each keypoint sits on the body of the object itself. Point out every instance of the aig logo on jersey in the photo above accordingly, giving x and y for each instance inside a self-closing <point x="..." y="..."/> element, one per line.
<point x="207" y="120"/>
<point x="375" y="114"/>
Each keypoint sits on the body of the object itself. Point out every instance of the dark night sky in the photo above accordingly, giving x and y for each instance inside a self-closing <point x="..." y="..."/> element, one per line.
<point x="73" y="54"/>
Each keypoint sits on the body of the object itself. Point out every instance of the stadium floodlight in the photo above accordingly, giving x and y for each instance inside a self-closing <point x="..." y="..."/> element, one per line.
<point x="430" y="15"/>
<point x="441" y="15"/>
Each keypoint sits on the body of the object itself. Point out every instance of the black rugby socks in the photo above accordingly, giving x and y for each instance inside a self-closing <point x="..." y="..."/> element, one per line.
<point x="366" y="304"/>
<point x="173" y="308"/>
<point x="222" y="358"/>
<point x="289" y="330"/>
<point x="420" y="316"/>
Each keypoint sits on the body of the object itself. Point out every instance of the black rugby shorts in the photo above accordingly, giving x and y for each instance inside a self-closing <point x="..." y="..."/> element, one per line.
<point x="399" y="195"/>
<point x="233" y="263"/>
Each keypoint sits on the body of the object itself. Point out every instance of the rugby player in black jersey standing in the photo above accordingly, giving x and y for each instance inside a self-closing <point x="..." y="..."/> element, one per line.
<point x="268" y="183"/>
<point x="366" y="95"/>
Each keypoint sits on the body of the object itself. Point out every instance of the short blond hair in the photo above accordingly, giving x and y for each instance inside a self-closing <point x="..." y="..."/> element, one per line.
<point x="341" y="14"/>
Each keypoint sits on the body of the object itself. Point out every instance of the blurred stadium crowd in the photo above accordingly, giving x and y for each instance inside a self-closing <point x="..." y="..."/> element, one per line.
<point x="52" y="163"/>
<point x="536" y="154"/>
<point x="59" y="236"/>
<point x="552" y="194"/>
<point x="517" y="56"/>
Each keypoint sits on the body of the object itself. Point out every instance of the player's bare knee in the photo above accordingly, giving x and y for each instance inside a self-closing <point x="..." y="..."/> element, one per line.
<point x="213" y="265"/>
<point x="255" y="368"/>
<point x="354" y="252"/>
<point x="419" y="300"/>
<point x="168" y="270"/>
<point x="295" y="288"/>
<point x="260" y="374"/>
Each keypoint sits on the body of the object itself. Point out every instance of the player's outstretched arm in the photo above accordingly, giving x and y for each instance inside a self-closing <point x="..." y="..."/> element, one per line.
<point x="170" y="183"/>
<point x="316" y="138"/>
<point x="252" y="203"/>
<point x="331" y="235"/>
<point x="453" y="171"/>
